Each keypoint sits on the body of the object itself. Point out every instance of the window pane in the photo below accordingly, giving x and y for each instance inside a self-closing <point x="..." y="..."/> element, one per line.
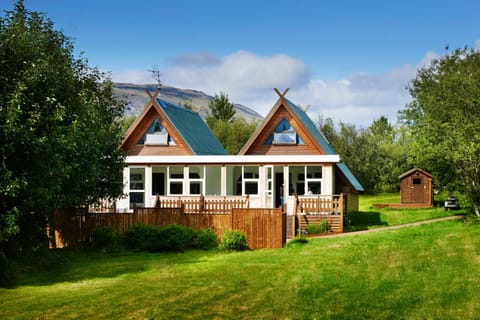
<point x="297" y="180"/>
<point x="315" y="187"/>
<point x="196" y="188"/>
<point x="176" y="172"/>
<point x="314" y="172"/>
<point x="136" y="199"/>
<point x="176" y="187"/>
<point x="137" y="176"/>
<point x="250" y="172"/>
<point x="251" y="188"/>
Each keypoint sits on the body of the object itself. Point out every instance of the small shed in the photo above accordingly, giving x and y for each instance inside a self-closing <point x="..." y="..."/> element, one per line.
<point x="416" y="188"/>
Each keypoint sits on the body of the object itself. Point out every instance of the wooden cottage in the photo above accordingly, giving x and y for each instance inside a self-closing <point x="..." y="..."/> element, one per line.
<point x="416" y="188"/>
<point x="172" y="154"/>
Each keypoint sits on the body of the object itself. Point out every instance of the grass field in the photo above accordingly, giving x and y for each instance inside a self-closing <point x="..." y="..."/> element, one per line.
<point x="370" y="217"/>
<point x="424" y="272"/>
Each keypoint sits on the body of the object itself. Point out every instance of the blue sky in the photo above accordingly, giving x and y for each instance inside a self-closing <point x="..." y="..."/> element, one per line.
<point x="349" y="60"/>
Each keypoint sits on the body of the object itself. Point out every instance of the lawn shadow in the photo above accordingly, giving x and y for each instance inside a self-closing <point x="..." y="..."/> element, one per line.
<point x="77" y="265"/>
<point x="359" y="220"/>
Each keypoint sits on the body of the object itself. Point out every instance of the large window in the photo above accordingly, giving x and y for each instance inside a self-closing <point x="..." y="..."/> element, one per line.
<point x="250" y="180"/>
<point x="137" y="187"/>
<point x="196" y="179"/>
<point x="242" y="180"/>
<point x="305" y="180"/>
<point x="175" y="180"/>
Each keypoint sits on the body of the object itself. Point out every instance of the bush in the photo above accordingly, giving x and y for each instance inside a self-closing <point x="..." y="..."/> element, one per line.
<point x="105" y="238"/>
<point x="234" y="240"/>
<point x="173" y="238"/>
<point x="322" y="227"/>
<point x="206" y="239"/>
<point x="141" y="237"/>
<point x="152" y="238"/>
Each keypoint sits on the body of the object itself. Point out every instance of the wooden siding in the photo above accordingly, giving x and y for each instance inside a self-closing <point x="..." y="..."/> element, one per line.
<point x="414" y="191"/>
<point x="258" y="147"/>
<point x="352" y="203"/>
<point x="132" y="148"/>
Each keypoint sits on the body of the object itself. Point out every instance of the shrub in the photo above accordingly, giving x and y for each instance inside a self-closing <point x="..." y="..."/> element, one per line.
<point x="141" y="237"/>
<point x="296" y="240"/>
<point x="173" y="238"/>
<point x="234" y="240"/>
<point x="321" y="227"/>
<point x="206" y="239"/>
<point x="105" y="238"/>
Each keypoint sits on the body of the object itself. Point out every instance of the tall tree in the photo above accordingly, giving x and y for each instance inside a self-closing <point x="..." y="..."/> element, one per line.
<point x="376" y="155"/>
<point x="59" y="127"/>
<point x="220" y="108"/>
<point x="444" y="120"/>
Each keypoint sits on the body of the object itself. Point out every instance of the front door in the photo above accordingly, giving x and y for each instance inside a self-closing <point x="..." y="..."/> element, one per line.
<point x="269" y="186"/>
<point x="417" y="190"/>
<point x="279" y="192"/>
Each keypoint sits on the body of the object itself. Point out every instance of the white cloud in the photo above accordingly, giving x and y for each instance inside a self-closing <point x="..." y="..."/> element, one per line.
<point x="132" y="76"/>
<point x="242" y="75"/>
<point x="477" y="44"/>
<point x="249" y="79"/>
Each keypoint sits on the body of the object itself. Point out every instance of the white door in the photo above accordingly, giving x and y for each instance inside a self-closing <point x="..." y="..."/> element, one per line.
<point x="269" y="196"/>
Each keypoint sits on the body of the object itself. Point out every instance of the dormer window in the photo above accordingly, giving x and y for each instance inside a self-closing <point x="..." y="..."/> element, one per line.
<point x="286" y="137"/>
<point x="156" y="135"/>
<point x="157" y="139"/>
<point x="284" y="134"/>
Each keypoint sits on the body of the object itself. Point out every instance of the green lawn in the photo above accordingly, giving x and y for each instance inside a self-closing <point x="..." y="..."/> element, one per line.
<point x="370" y="217"/>
<point x="424" y="272"/>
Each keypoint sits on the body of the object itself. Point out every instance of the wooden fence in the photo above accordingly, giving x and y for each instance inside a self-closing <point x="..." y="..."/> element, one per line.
<point x="263" y="228"/>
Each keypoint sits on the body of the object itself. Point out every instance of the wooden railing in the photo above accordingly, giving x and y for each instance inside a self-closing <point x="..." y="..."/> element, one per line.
<point x="203" y="204"/>
<point x="311" y="209"/>
<point x="319" y="204"/>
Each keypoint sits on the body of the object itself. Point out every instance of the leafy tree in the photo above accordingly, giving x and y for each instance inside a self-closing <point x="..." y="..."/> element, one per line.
<point x="127" y="121"/>
<point x="375" y="155"/>
<point x="187" y="104"/>
<point x="444" y="120"/>
<point x="59" y="128"/>
<point x="232" y="135"/>
<point x="220" y="108"/>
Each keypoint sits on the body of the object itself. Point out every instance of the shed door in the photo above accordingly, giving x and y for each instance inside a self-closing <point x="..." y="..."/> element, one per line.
<point x="417" y="189"/>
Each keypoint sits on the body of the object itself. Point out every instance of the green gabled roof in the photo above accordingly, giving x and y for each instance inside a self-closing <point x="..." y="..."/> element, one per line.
<point x="308" y="123"/>
<point x="193" y="129"/>
<point x="350" y="177"/>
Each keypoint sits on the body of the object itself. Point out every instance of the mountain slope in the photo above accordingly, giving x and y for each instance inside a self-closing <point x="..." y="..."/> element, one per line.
<point x="136" y="98"/>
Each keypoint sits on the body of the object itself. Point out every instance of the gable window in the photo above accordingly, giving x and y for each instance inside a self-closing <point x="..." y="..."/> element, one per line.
<point x="156" y="135"/>
<point x="284" y="134"/>
<point x="417" y="180"/>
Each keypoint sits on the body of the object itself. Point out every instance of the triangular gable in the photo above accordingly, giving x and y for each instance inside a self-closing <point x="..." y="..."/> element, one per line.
<point x="308" y="139"/>
<point x="187" y="132"/>
<point x="412" y="171"/>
